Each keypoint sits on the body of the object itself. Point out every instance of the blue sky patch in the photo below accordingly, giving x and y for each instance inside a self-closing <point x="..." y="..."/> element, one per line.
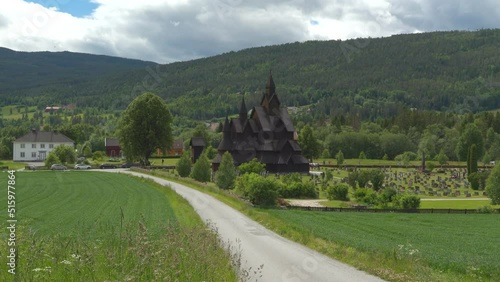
<point x="77" y="8"/>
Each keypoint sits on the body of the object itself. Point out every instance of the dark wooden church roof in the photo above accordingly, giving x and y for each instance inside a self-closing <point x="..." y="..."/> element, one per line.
<point x="266" y="133"/>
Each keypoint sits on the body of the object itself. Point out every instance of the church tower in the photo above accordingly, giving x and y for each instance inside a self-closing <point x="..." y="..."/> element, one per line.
<point x="265" y="133"/>
<point x="243" y="111"/>
<point x="270" y="101"/>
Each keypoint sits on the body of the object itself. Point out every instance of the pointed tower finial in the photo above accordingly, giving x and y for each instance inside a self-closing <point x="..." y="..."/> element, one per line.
<point x="226" y="127"/>
<point x="243" y="109"/>
<point x="270" y="87"/>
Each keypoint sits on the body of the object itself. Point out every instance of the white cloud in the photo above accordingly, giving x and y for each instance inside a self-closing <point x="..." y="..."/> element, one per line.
<point x="173" y="30"/>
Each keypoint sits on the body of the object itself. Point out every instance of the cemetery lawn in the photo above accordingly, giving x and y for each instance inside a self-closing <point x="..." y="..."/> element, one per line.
<point x="97" y="226"/>
<point x="403" y="247"/>
<point x="455" y="204"/>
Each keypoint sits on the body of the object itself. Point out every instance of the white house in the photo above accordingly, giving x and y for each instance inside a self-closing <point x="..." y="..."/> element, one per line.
<point x="36" y="145"/>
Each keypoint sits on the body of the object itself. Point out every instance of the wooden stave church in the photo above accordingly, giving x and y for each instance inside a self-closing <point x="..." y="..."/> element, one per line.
<point x="265" y="133"/>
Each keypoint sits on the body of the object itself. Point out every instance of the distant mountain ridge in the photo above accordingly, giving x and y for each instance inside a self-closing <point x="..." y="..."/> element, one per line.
<point x="454" y="71"/>
<point x="29" y="70"/>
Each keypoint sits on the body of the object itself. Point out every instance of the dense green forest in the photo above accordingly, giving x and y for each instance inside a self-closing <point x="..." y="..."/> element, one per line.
<point x="383" y="97"/>
<point x="376" y="77"/>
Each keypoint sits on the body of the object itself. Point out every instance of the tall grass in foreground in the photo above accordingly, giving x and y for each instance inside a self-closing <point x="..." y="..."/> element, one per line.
<point x="94" y="226"/>
<point x="128" y="253"/>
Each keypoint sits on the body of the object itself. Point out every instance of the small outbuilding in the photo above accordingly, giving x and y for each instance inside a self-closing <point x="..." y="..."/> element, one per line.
<point x="197" y="146"/>
<point x="113" y="148"/>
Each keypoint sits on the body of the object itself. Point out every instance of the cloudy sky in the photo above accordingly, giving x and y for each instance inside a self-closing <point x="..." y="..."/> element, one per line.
<point x="176" y="30"/>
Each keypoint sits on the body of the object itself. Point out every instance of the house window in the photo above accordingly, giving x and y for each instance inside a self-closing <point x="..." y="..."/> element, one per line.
<point x="51" y="146"/>
<point x="42" y="146"/>
<point x="33" y="146"/>
<point x="22" y="154"/>
<point x="22" y="146"/>
<point x="33" y="154"/>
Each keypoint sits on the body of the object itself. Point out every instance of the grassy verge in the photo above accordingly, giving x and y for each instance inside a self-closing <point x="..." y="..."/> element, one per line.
<point x="396" y="247"/>
<point x="94" y="226"/>
<point x="381" y="162"/>
<point x="406" y="244"/>
<point x="456" y="204"/>
<point x="12" y="165"/>
<point x="436" y="203"/>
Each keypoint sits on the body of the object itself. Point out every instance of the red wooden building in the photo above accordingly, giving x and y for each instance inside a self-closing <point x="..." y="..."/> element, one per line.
<point x="113" y="149"/>
<point x="176" y="150"/>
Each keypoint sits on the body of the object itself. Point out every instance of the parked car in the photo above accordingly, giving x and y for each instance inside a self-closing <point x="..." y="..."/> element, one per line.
<point x="104" y="166"/>
<point x="58" y="167"/>
<point x="129" y="165"/>
<point x="82" y="166"/>
<point x="30" y="167"/>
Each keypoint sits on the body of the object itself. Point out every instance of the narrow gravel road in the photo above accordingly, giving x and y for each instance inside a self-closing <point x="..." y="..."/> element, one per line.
<point x="282" y="259"/>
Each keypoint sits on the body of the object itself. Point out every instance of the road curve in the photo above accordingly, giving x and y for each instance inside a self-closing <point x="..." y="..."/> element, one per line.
<point x="282" y="259"/>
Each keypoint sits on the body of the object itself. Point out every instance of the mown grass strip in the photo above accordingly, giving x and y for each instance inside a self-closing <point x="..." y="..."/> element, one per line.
<point x="456" y="204"/>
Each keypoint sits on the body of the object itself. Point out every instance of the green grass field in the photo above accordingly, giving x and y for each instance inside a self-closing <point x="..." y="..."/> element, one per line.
<point x="436" y="203"/>
<point x="87" y="199"/>
<point x="97" y="226"/>
<point x="12" y="165"/>
<point x="5" y="112"/>
<point x="456" y="204"/>
<point x="467" y="246"/>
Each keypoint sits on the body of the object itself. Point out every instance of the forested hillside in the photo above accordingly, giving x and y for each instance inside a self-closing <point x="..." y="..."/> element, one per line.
<point x="444" y="71"/>
<point x="55" y="75"/>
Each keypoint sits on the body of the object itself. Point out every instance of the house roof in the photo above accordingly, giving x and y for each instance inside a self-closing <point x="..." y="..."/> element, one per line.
<point x="197" y="142"/>
<point x="44" y="136"/>
<point x="178" y="144"/>
<point x="286" y="120"/>
<point x="111" y="142"/>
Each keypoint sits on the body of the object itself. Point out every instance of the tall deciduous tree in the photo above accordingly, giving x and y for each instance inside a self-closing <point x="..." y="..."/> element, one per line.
<point x="144" y="127"/>
<point x="65" y="154"/>
<point x="442" y="158"/>
<point x="309" y="144"/>
<point x="51" y="159"/>
<point x="340" y="158"/>
<point x="226" y="174"/>
<point x="471" y="135"/>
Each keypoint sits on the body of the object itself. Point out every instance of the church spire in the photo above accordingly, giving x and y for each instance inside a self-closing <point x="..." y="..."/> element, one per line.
<point x="243" y="110"/>
<point x="226" y="127"/>
<point x="270" y="87"/>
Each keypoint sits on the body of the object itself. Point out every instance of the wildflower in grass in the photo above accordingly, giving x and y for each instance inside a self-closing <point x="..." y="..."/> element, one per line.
<point x="47" y="255"/>
<point x="406" y="251"/>
<point x="66" y="262"/>
<point x="45" y="269"/>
